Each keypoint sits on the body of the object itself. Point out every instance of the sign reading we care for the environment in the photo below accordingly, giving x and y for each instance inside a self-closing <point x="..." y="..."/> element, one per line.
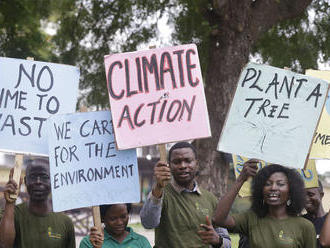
<point x="157" y="96"/>
<point x="273" y="115"/>
<point x="86" y="168"/>
<point x="30" y="92"/>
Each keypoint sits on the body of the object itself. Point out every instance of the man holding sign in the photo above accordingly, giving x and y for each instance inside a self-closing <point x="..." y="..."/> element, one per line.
<point x="180" y="210"/>
<point x="33" y="224"/>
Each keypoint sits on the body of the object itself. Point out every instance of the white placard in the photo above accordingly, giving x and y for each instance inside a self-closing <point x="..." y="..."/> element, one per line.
<point x="30" y="92"/>
<point x="273" y="115"/>
<point x="86" y="168"/>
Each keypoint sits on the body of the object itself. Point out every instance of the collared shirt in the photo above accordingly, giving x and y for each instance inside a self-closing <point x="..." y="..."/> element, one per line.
<point x="132" y="240"/>
<point x="181" y="189"/>
<point x="152" y="209"/>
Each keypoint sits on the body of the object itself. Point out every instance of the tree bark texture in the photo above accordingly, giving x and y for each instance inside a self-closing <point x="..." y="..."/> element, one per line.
<point x="239" y="25"/>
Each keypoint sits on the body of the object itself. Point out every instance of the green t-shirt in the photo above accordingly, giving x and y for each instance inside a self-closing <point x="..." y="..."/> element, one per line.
<point x="182" y="214"/>
<point x="292" y="232"/>
<point x="132" y="240"/>
<point x="52" y="231"/>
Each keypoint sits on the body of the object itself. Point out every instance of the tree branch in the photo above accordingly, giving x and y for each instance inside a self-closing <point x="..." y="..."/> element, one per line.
<point x="266" y="13"/>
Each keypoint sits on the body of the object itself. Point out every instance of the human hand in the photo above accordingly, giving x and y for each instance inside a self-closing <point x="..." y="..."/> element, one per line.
<point x="162" y="174"/>
<point x="250" y="168"/>
<point x="96" y="237"/>
<point x="208" y="234"/>
<point x="11" y="188"/>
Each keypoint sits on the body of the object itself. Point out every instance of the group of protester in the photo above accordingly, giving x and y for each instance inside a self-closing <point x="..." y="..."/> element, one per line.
<point x="182" y="213"/>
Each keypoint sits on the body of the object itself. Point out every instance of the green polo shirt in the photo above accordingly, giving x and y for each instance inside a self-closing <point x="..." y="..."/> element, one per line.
<point x="132" y="240"/>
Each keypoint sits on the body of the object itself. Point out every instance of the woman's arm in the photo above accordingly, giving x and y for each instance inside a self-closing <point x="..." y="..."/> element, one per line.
<point x="222" y="217"/>
<point x="325" y="232"/>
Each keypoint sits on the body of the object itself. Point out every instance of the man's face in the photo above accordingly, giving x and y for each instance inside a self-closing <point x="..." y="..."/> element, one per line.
<point x="313" y="200"/>
<point x="37" y="181"/>
<point x="183" y="166"/>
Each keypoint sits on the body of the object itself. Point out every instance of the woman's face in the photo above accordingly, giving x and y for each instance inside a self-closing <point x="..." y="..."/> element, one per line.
<point x="116" y="219"/>
<point x="276" y="189"/>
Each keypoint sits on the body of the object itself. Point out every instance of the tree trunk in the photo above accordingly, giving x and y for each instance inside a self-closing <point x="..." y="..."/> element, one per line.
<point x="239" y="25"/>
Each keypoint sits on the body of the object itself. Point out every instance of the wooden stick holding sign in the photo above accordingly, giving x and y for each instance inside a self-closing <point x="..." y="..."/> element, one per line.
<point x="95" y="209"/>
<point x="161" y="147"/>
<point x="17" y="174"/>
<point x="97" y="217"/>
<point x="18" y="166"/>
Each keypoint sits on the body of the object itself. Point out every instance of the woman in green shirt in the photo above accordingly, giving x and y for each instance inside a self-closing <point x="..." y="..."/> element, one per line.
<point x="116" y="234"/>
<point x="278" y="196"/>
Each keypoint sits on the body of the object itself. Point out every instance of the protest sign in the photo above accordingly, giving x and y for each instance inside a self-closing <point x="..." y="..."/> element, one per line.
<point x="321" y="141"/>
<point x="273" y="115"/>
<point x="157" y="96"/>
<point x="309" y="174"/>
<point x="86" y="168"/>
<point x="30" y="92"/>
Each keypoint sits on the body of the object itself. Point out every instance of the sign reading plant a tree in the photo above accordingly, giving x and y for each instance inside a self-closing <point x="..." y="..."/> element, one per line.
<point x="273" y="115"/>
<point x="157" y="96"/>
<point x="30" y="92"/>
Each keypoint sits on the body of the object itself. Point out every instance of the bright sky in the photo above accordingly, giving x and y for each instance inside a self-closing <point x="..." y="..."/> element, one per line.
<point x="322" y="166"/>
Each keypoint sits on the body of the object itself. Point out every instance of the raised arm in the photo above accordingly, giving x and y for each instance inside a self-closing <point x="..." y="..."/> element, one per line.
<point x="221" y="216"/>
<point x="325" y="232"/>
<point x="7" y="223"/>
<point x="151" y="211"/>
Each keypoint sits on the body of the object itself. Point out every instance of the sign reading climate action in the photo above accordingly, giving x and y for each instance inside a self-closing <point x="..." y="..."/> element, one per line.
<point x="273" y="115"/>
<point x="86" y="168"/>
<point x="30" y="92"/>
<point x="157" y="96"/>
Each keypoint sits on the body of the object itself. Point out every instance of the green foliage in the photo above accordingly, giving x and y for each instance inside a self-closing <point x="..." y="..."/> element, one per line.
<point x="89" y="29"/>
<point x="20" y="33"/>
<point x="95" y="28"/>
<point x="298" y="43"/>
<point x="192" y="26"/>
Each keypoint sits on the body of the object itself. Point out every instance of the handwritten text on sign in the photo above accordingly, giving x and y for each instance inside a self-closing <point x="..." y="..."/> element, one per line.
<point x="30" y="92"/>
<point x="85" y="167"/>
<point x="157" y="96"/>
<point x="273" y="115"/>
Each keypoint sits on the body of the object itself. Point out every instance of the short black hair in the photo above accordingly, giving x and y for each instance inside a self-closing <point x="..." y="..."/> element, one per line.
<point x="296" y="190"/>
<point x="181" y="145"/>
<point x="105" y="207"/>
<point x="35" y="161"/>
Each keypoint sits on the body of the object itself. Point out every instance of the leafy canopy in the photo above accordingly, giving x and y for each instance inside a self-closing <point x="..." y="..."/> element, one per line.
<point x="89" y="29"/>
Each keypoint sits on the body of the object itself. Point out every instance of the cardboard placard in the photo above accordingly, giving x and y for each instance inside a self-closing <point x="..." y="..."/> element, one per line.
<point x="30" y="92"/>
<point x="273" y="115"/>
<point x="321" y="141"/>
<point x="86" y="168"/>
<point x="157" y="96"/>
